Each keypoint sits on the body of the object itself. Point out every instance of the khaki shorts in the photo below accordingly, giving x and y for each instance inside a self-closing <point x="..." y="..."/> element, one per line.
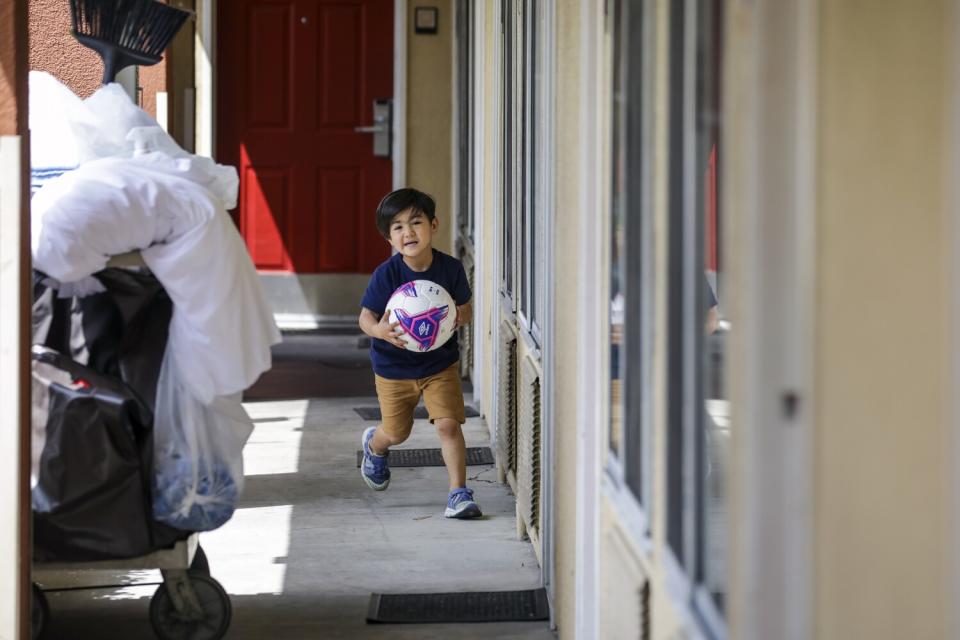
<point x="441" y="392"/>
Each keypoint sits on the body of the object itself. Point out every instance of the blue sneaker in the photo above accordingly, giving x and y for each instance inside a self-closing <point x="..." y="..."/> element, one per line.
<point x="375" y="469"/>
<point x="460" y="505"/>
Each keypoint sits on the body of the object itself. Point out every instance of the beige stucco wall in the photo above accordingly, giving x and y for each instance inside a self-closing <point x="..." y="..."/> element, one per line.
<point x="430" y="115"/>
<point x="881" y="550"/>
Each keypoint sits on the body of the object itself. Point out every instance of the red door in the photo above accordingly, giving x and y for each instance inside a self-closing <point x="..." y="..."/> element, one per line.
<point x="295" y="77"/>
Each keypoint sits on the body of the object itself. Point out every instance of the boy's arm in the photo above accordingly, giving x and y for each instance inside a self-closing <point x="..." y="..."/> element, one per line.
<point x="377" y="326"/>
<point x="464" y="314"/>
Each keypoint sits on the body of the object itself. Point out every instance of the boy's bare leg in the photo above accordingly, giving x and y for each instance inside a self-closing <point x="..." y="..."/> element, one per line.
<point x="382" y="441"/>
<point x="454" y="451"/>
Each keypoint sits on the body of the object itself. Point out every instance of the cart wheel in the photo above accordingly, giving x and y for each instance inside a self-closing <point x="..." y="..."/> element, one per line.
<point x="200" y="565"/>
<point x="169" y="625"/>
<point x="40" y="612"/>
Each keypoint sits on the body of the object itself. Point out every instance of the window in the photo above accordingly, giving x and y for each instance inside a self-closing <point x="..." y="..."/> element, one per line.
<point x="465" y="112"/>
<point x="677" y="303"/>
<point x="714" y="429"/>
<point x="533" y="121"/>
<point x="698" y="412"/>
<point x="618" y="218"/>
<point x="465" y="165"/>
<point x="523" y="124"/>
<point x="507" y="21"/>
<point x="630" y="246"/>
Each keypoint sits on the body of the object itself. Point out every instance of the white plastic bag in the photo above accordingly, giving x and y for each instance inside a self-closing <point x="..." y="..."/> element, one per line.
<point x="198" y="461"/>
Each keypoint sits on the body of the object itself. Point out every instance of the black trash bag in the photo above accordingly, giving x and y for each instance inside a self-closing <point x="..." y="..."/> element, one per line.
<point x="121" y="335"/>
<point x="90" y="490"/>
<point x="121" y="332"/>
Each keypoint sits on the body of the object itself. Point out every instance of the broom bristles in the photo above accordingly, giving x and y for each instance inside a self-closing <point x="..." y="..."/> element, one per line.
<point x="142" y="26"/>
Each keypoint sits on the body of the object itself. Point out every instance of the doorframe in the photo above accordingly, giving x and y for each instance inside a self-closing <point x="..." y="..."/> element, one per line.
<point x="205" y="68"/>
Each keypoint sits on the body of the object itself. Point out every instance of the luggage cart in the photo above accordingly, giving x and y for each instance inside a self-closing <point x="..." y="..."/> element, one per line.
<point x="188" y="604"/>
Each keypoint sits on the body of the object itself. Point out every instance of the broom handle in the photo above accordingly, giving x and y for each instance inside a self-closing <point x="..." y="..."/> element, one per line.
<point x="110" y="60"/>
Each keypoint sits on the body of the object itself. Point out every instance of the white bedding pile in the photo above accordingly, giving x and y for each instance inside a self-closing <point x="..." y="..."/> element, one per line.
<point x="135" y="189"/>
<point x="174" y="211"/>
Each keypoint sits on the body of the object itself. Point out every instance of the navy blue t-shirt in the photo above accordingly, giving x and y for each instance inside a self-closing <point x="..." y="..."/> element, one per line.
<point x="399" y="364"/>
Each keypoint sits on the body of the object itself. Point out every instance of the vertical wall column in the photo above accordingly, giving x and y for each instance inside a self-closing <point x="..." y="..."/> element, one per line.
<point x="14" y="323"/>
<point x="205" y="57"/>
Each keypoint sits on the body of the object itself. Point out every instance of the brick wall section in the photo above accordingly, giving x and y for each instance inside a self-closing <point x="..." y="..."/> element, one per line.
<point x="54" y="49"/>
<point x="13" y="115"/>
<point x="153" y="79"/>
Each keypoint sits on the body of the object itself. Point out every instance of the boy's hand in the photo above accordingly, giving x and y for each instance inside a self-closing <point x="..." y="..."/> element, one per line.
<point x="464" y="315"/>
<point x="389" y="331"/>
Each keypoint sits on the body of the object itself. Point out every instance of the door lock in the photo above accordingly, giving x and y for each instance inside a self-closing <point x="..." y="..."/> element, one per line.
<point x="381" y="128"/>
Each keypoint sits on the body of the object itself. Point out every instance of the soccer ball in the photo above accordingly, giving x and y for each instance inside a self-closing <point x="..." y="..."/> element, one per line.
<point x="426" y="313"/>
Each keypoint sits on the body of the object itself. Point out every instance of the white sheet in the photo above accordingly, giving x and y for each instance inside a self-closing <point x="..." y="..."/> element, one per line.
<point x="173" y="209"/>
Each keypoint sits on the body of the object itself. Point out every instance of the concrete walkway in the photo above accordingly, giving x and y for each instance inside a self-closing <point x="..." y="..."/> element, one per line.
<point x="310" y="541"/>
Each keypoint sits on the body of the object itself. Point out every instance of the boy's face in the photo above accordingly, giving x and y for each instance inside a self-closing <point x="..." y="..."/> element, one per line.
<point x="411" y="233"/>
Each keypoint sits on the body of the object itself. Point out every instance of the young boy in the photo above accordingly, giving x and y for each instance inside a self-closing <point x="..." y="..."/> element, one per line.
<point x="407" y="219"/>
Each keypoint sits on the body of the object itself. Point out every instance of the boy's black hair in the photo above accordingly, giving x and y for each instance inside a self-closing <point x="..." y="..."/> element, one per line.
<point x="399" y="200"/>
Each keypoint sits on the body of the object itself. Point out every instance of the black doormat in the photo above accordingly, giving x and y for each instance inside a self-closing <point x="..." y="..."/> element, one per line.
<point x="482" y="606"/>
<point x="432" y="457"/>
<point x="420" y="413"/>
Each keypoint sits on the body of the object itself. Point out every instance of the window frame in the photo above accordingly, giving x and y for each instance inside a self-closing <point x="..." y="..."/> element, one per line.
<point x="531" y="248"/>
<point x="524" y="139"/>
<point x="686" y="437"/>
<point x="524" y="32"/>
<point x="707" y="41"/>
<point x="466" y="108"/>
<point x="507" y="239"/>
<point x="639" y="294"/>
<point x="628" y="473"/>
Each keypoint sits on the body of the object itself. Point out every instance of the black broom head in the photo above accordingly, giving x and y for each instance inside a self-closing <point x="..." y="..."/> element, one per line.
<point x="126" y="32"/>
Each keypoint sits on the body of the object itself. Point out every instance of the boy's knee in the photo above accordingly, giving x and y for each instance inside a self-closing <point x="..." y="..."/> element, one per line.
<point x="395" y="438"/>
<point x="447" y="427"/>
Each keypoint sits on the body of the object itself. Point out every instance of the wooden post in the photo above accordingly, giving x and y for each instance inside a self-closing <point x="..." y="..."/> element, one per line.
<point x="15" y="291"/>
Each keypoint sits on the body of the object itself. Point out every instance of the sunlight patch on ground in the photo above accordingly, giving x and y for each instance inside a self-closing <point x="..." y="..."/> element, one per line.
<point x="254" y="547"/>
<point x="274" y="445"/>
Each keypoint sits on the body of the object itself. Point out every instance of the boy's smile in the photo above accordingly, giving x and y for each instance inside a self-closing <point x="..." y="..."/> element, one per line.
<point x="411" y="234"/>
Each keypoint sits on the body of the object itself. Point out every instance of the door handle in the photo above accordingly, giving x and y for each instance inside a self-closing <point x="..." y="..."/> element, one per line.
<point x="381" y="128"/>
